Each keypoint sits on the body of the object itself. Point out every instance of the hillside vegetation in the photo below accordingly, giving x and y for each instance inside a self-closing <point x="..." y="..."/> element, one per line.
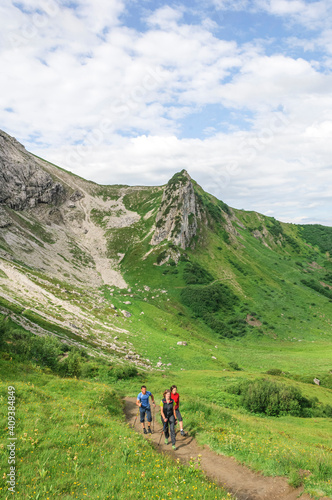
<point x="97" y="288"/>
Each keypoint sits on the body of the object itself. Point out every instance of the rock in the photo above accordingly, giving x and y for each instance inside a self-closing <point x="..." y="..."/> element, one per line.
<point x="182" y="343"/>
<point x="169" y="364"/>
<point x="142" y="312"/>
<point x="77" y="195"/>
<point x="55" y="216"/>
<point x="116" y="337"/>
<point x="71" y="205"/>
<point x="213" y="357"/>
<point x="179" y="212"/>
<point x="5" y="220"/>
<point x="23" y="183"/>
<point x="146" y="288"/>
<point x="72" y="325"/>
<point x="316" y="381"/>
<point x="126" y="314"/>
<point x="159" y="364"/>
<point x="127" y="302"/>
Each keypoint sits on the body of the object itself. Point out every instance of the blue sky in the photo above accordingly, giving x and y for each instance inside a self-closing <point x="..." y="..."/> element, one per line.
<point x="238" y="92"/>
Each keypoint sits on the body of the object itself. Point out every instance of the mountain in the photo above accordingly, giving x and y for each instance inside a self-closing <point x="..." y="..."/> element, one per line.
<point x="123" y="285"/>
<point x="74" y="245"/>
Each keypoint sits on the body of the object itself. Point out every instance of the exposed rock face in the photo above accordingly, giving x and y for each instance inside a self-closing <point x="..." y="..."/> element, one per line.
<point x="4" y="219"/>
<point x="179" y="212"/>
<point x="23" y="183"/>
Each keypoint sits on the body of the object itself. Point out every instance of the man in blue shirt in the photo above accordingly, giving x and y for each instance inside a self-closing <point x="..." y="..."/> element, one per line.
<point x="144" y="407"/>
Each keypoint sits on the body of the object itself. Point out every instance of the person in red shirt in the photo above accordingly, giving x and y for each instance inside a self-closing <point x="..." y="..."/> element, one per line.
<point x="176" y="398"/>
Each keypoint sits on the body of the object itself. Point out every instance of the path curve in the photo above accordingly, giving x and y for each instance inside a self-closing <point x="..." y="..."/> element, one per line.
<point x="243" y="483"/>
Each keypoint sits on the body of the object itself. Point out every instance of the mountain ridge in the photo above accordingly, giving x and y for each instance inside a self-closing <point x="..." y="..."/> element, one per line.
<point x="129" y="285"/>
<point x="101" y="237"/>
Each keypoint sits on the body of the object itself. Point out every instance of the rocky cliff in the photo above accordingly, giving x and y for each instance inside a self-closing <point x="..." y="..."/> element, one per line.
<point x="23" y="183"/>
<point x="177" y="218"/>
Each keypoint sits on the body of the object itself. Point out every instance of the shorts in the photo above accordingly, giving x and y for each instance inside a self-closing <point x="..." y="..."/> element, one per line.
<point x="178" y="415"/>
<point x="142" y="412"/>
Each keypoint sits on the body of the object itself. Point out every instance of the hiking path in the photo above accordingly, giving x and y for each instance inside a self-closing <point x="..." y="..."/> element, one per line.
<point x="242" y="482"/>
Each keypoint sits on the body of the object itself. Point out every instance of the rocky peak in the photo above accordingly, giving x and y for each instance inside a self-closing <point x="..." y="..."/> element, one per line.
<point x="23" y="183"/>
<point x="177" y="218"/>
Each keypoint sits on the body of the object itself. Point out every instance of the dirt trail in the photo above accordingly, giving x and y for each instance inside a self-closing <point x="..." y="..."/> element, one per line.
<point x="237" y="479"/>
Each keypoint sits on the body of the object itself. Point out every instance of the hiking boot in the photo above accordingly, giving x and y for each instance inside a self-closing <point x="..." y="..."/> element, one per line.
<point x="166" y="441"/>
<point x="173" y="447"/>
<point x="182" y="433"/>
<point x="149" y="430"/>
<point x="144" y="430"/>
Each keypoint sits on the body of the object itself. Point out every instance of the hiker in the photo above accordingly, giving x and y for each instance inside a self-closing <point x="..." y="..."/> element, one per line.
<point x="168" y="416"/>
<point x="176" y="398"/>
<point x="144" y="408"/>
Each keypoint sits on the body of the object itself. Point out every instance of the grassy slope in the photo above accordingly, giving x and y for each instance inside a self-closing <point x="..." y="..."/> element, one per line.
<point x="73" y="443"/>
<point x="295" y="335"/>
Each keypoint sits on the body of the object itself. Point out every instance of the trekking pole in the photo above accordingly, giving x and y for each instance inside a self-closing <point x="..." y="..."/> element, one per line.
<point x="153" y="418"/>
<point x="162" y="432"/>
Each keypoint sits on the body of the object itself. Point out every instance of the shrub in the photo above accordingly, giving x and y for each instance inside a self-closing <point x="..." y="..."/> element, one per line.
<point x="317" y="235"/>
<point x="275" y="228"/>
<point x="71" y="366"/>
<point x="318" y="288"/>
<point x="273" y="399"/>
<point x="123" y="372"/>
<point x="194" y="274"/>
<point x="208" y="299"/>
<point x="3" y="329"/>
<point x="161" y="256"/>
<point x="274" y="371"/>
<point x="42" y="350"/>
<point x="234" y="366"/>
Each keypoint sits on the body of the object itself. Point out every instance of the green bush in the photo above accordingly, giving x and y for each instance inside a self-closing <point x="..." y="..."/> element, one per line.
<point x="318" y="288"/>
<point x="71" y="366"/>
<point x="194" y="274"/>
<point x="42" y="350"/>
<point x="273" y="399"/>
<point x="3" y="329"/>
<point x="234" y="366"/>
<point x="274" y="371"/>
<point x="161" y="256"/>
<point x="124" y="372"/>
<point x="276" y="228"/>
<point x="208" y="299"/>
<point x="317" y="235"/>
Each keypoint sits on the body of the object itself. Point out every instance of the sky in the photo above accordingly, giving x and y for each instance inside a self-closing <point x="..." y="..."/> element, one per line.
<point x="237" y="92"/>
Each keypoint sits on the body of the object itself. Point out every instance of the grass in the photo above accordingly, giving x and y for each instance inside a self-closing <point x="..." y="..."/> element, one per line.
<point x="265" y="267"/>
<point x="73" y="443"/>
<point x="284" y="446"/>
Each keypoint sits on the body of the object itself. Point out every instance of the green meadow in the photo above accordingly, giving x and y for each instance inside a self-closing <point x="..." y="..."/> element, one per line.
<point x="251" y="298"/>
<point x="73" y="442"/>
